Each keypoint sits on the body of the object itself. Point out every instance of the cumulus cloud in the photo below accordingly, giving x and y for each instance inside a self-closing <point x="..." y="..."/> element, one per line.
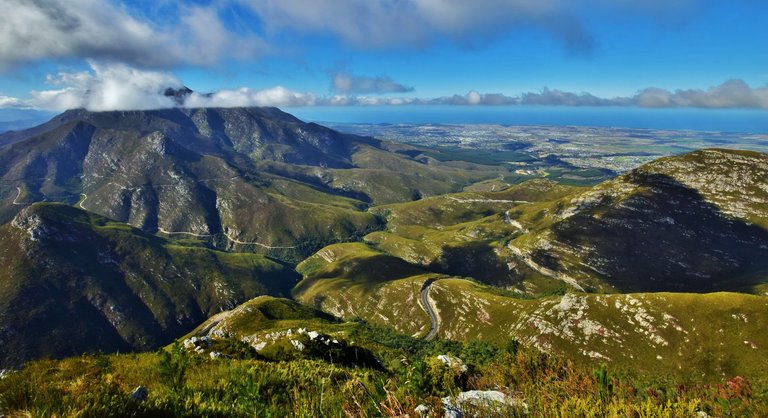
<point x="170" y="32"/>
<point x="562" y="98"/>
<point x="387" y="23"/>
<point x="33" y="30"/>
<point x="244" y="97"/>
<point x="107" y="87"/>
<point x="345" y="83"/>
<point x="474" y="98"/>
<point x="11" y="103"/>
<point x="731" y="94"/>
<point x="345" y="100"/>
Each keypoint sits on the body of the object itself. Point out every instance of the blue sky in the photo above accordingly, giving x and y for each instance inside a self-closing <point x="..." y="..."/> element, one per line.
<point x="104" y="54"/>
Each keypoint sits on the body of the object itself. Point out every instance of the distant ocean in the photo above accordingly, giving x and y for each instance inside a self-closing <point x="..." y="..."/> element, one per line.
<point x="730" y="120"/>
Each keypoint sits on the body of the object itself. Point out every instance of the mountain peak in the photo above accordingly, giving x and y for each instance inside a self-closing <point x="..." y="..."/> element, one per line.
<point x="178" y="95"/>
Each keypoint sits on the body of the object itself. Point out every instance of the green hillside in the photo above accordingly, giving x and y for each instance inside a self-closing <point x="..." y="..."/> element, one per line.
<point x="647" y="230"/>
<point x="74" y="282"/>
<point x="408" y="378"/>
<point x="568" y="267"/>
<point x="668" y="333"/>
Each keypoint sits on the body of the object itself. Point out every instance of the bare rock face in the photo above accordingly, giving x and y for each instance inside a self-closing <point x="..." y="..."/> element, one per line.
<point x="32" y="225"/>
<point x="30" y="222"/>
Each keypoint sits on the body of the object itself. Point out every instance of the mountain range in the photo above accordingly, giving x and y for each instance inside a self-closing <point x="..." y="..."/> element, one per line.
<point x="125" y="230"/>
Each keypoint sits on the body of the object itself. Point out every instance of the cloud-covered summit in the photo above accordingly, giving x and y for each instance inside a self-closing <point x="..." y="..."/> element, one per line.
<point x="120" y="87"/>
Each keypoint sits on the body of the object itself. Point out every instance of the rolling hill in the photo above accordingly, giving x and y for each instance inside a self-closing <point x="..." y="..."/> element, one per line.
<point x="626" y="272"/>
<point x="672" y="225"/>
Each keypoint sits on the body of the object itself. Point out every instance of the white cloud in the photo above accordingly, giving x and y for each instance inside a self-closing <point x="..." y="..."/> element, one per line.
<point x="731" y="94"/>
<point x="562" y="98"/>
<point x="473" y="98"/>
<point x="33" y="30"/>
<point x="343" y="82"/>
<point x="107" y="87"/>
<point x="244" y="97"/>
<point x="344" y="100"/>
<point x="168" y="33"/>
<point x="11" y="102"/>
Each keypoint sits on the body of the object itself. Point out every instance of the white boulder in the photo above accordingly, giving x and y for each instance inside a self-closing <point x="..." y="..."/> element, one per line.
<point x="452" y="361"/>
<point x="298" y="345"/>
<point x="486" y="399"/>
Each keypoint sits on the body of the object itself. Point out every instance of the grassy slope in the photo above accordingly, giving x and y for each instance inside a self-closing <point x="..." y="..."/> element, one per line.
<point x="638" y="232"/>
<point x="465" y="233"/>
<point x="353" y="280"/>
<point x="262" y="314"/>
<point x="474" y="234"/>
<point x="663" y="333"/>
<point x="266" y="384"/>
<point x="654" y="332"/>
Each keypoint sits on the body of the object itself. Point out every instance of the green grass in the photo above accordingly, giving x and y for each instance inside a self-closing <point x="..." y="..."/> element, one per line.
<point x="657" y="333"/>
<point x="266" y="313"/>
<point x="99" y="386"/>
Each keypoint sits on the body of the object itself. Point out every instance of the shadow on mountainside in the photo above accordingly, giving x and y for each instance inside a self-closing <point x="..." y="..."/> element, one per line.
<point x="665" y="237"/>
<point x="473" y="259"/>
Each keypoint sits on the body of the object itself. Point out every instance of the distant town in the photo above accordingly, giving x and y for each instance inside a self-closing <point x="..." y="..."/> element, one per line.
<point x="614" y="149"/>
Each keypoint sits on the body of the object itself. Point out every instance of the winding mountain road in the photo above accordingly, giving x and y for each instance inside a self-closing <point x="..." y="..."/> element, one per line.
<point x="269" y="247"/>
<point x="85" y="196"/>
<point x="428" y="304"/>
<point x="15" y="200"/>
<point x="517" y="202"/>
<point x="183" y="233"/>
